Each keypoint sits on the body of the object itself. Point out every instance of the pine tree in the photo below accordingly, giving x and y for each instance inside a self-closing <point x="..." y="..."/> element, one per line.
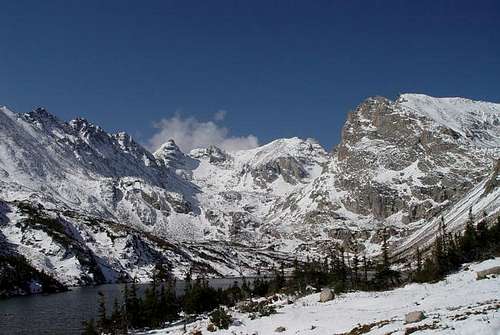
<point x="116" y="321"/>
<point x="134" y="312"/>
<point x="439" y="257"/>
<point x="483" y="238"/>
<point x="150" y="305"/>
<point x="188" y="281"/>
<point x="342" y="268"/>
<point x="443" y="235"/>
<point x="365" y="271"/>
<point x="102" y="322"/>
<point x="495" y="236"/>
<point x="469" y="239"/>
<point x="127" y="305"/>
<point x="419" y="260"/>
<point x="89" y="328"/>
<point x="385" y="252"/>
<point x="453" y="255"/>
<point x="168" y="307"/>
<point x="385" y="276"/>
<point x="355" y="264"/>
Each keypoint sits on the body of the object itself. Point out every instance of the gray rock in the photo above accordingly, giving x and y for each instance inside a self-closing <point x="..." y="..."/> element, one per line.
<point x="280" y="329"/>
<point x="231" y="195"/>
<point x="326" y="295"/>
<point x="414" y="316"/>
<point x="179" y="204"/>
<point x="491" y="271"/>
<point x="289" y="168"/>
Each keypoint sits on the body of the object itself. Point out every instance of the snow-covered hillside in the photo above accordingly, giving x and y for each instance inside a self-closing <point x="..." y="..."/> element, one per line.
<point x="460" y="304"/>
<point x="483" y="200"/>
<point x="477" y="121"/>
<point x="400" y="164"/>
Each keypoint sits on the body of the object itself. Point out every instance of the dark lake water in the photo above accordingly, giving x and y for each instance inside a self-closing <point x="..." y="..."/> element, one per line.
<point x="63" y="313"/>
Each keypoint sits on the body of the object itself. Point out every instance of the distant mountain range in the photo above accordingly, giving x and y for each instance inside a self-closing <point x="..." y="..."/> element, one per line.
<point x="86" y="206"/>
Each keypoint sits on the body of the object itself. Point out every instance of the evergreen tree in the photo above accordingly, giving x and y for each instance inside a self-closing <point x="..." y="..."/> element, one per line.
<point x="385" y="277"/>
<point x="365" y="271"/>
<point x="495" y="236"/>
<point x="469" y="239"/>
<point x="419" y="260"/>
<point x="245" y="288"/>
<point x="483" y="238"/>
<point x="355" y="264"/>
<point x="102" y="322"/>
<point x="116" y="320"/>
<point x="342" y="269"/>
<point x="134" y="312"/>
<point x="385" y="252"/>
<point x="168" y="304"/>
<point x="127" y="305"/>
<point x="188" y="281"/>
<point x="89" y="328"/>
<point x="150" y="305"/>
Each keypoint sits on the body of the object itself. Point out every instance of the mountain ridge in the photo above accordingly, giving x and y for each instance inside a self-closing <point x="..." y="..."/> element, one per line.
<point x="395" y="169"/>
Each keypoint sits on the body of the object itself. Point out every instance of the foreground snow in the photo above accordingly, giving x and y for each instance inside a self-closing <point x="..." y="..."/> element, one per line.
<point x="458" y="305"/>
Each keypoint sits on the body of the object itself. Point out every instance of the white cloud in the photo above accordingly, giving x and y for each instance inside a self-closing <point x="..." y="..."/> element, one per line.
<point x="220" y="115"/>
<point x="189" y="133"/>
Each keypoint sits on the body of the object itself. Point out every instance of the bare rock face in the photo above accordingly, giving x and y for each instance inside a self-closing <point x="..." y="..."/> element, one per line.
<point x="392" y="158"/>
<point x="415" y="316"/>
<point x="288" y="167"/>
<point x="179" y="204"/>
<point x="494" y="180"/>
<point x="326" y="295"/>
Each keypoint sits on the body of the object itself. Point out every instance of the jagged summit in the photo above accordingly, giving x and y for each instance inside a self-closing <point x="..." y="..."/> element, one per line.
<point x="167" y="148"/>
<point x="170" y="155"/>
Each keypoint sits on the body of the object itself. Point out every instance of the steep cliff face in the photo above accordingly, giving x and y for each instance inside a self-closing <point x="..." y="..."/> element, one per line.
<point x="107" y="209"/>
<point x="415" y="155"/>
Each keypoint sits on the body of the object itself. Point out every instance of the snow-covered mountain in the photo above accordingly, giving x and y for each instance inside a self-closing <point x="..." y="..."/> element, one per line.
<point x="89" y="206"/>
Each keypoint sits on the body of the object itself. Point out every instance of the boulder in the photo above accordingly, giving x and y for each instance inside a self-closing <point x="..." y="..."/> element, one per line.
<point x="326" y="295"/>
<point x="414" y="316"/>
<point x="280" y="329"/>
<point x="491" y="271"/>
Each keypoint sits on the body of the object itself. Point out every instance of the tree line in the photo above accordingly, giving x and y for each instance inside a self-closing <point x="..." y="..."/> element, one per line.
<point x="341" y="270"/>
<point x="159" y="304"/>
<point x="451" y="250"/>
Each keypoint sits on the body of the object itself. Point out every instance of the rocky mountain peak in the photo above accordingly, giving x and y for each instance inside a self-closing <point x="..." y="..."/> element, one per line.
<point x="85" y="127"/>
<point x="212" y="153"/>
<point x="41" y="117"/>
<point x="169" y="153"/>
<point x="402" y="156"/>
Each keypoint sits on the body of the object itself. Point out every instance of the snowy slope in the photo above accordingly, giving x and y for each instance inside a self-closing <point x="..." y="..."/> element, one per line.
<point x="460" y="304"/>
<point x="483" y="201"/>
<point x="478" y="121"/>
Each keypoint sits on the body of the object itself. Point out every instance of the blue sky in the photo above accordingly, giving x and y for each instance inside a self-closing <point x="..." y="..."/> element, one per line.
<point x="277" y="68"/>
